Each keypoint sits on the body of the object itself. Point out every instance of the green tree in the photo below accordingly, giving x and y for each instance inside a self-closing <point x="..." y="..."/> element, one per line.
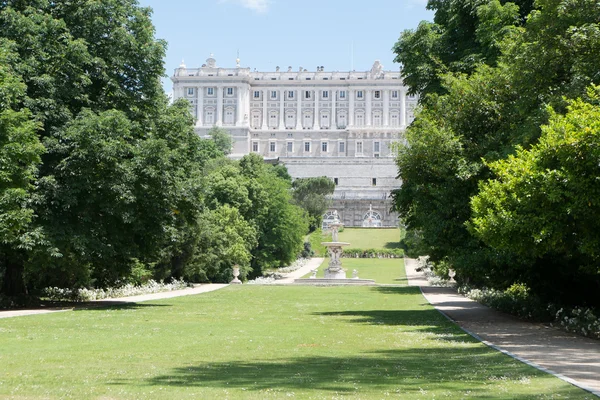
<point x="314" y="196"/>
<point x="483" y="116"/>
<point x="222" y="139"/>
<point x="225" y="239"/>
<point x="121" y="182"/>
<point x="463" y="35"/>
<point x="543" y="205"/>
<point x="20" y="151"/>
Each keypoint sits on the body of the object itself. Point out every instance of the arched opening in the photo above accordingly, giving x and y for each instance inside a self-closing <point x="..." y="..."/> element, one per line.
<point x="372" y="219"/>
<point x="328" y="218"/>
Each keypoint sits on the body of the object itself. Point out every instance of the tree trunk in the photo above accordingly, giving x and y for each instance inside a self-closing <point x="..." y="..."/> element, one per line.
<point x="13" y="284"/>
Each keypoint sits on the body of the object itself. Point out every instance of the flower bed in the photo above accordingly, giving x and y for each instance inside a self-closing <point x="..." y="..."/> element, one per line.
<point x="61" y="294"/>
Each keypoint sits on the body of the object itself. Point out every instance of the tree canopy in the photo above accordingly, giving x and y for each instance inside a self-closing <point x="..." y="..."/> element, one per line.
<point x="483" y="120"/>
<point x="314" y="196"/>
<point x="101" y="179"/>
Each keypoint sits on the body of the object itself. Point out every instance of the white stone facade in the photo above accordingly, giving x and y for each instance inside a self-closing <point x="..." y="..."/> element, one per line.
<point x="318" y="123"/>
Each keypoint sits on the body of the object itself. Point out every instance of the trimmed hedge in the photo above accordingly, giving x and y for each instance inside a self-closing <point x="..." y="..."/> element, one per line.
<point x="373" y="253"/>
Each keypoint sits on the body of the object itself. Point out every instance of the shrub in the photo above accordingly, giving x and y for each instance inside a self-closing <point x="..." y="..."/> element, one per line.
<point x="307" y="251"/>
<point x="583" y="321"/>
<point x="373" y="253"/>
<point x="61" y="294"/>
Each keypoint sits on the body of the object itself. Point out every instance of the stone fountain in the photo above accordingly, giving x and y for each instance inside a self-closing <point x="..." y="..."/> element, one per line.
<point x="335" y="274"/>
<point x="335" y="249"/>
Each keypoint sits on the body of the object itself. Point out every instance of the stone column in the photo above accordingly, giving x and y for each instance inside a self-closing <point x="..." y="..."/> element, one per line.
<point x="265" y="93"/>
<point x="239" y="107"/>
<point x="299" y="109"/>
<point x="369" y="112"/>
<point x="403" y="109"/>
<point x="219" y="106"/>
<point x="247" y="105"/>
<point x="351" y="108"/>
<point x="200" y="107"/>
<point x="386" y="108"/>
<point x="333" y="120"/>
<point x="282" y="109"/>
<point x="316" y="122"/>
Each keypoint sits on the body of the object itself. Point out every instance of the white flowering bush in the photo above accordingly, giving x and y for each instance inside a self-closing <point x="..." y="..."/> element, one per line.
<point x="299" y="263"/>
<point x="516" y="300"/>
<point x="262" y="280"/>
<point x="583" y="321"/>
<point x="425" y="266"/>
<point x="61" y="294"/>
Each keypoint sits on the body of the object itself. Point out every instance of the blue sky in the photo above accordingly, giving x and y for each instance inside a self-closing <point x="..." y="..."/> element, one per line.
<point x="270" y="33"/>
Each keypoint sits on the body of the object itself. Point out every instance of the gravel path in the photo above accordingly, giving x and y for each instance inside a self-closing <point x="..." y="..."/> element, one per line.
<point x="570" y="357"/>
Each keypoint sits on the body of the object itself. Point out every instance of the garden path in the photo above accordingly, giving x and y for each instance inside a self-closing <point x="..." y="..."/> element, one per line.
<point x="570" y="357"/>
<point x="132" y="299"/>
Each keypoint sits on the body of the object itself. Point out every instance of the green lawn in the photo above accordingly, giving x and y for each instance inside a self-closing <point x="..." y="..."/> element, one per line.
<point x="373" y="238"/>
<point x="382" y="270"/>
<point x="262" y="342"/>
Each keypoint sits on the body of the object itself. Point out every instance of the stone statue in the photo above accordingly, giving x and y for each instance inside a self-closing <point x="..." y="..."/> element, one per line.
<point x="377" y="70"/>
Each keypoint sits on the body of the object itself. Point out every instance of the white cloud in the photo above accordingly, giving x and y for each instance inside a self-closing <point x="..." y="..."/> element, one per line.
<point x="260" y="6"/>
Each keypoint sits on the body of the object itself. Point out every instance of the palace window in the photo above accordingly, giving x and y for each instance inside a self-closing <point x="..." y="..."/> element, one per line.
<point x="289" y="121"/>
<point x="210" y="91"/>
<point x="325" y="94"/>
<point x="359" y="94"/>
<point x="229" y="117"/>
<point x="257" y="94"/>
<point x="336" y="181"/>
<point x="359" y="148"/>
<point x="342" y="94"/>
<point x="229" y="91"/>
<point x="360" y="119"/>
<point x="325" y="120"/>
<point x="394" y="94"/>
<point x="273" y="94"/>
<point x="377" y="94"/>
<point x="209" y="118"/>
<point x="273" y="120"/>
<point x="342" y="148"/>
<point x="255" y="147"/>
<point x="377" y="118"/>
<point x="290" y="147"/>
<point x="190" y="91"/>
<point x="307" y="94"/>
<point x="307" y="147"/>
<point x="272" y="147"/>
<point x="255" y="120"/>
<point x="342" y="120"/>
<point x="324" y="146"/>
<point x="290" y="94"/>
<point x="376" y="147"/>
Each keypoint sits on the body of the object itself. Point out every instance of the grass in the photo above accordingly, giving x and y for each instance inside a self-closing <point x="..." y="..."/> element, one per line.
<point x="262" y="342"/>
<point x="373" y="238"/>
<point x="315" y="240"/>
<point x="382" y="270"/>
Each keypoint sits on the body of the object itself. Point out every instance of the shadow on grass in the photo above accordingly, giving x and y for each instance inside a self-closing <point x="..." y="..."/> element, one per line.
<point x="392" y="245"/>
<point x="402" y="371"/>
<point x="401" y="290"/>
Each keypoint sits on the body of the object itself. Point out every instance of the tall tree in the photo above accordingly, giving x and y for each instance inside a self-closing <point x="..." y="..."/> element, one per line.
<point x="20" y="151"/>
<point x="482" y="117"/>
<point x="314" y="196"/>
<point x="222" y="139"/>
<point x="121" y="180"/>
<point x="463" y="35"/>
